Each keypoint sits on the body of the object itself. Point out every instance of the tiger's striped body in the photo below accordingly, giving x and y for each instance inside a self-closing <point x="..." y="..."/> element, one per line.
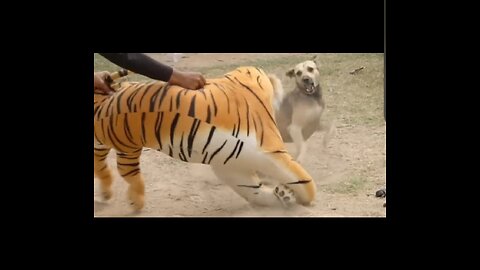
<point x="229" y="125"/>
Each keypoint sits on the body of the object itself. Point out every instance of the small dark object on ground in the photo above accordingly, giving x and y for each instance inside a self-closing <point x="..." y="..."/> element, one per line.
<point x="381" y="193"/>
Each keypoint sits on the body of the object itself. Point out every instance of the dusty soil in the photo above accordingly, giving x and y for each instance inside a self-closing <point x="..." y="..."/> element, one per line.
<point x="348" y="172"/>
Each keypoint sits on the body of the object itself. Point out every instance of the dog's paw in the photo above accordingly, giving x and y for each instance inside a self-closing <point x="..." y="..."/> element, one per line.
<point x="284" y="194"/>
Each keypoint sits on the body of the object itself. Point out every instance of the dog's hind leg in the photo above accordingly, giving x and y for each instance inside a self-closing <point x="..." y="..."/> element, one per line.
<point x="330" y="132"/>
<point x="297" y="137"/>
<point x="330" y="129"/>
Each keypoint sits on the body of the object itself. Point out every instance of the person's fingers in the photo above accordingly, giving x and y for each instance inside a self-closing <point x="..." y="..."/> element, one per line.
<point x="105" y="87"/>
<point x="106" y="78"/>
<point x="108" y="90"/>
<point x="107" y="81"/>
<point x="102" y="83"/>
<point x="199" y="82"/>
<point x="196" y="85"/>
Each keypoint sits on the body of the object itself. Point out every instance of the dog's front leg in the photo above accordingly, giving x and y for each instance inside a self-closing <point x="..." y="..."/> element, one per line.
<point x="297" y="137"/>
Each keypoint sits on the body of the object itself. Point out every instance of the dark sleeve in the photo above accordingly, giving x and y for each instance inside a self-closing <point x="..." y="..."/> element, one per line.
<point x="141" y="64"/>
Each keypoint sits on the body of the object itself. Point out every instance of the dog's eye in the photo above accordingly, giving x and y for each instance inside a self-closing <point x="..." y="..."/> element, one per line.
<point x="310" y="69"/>
<point x="299" y="73"/>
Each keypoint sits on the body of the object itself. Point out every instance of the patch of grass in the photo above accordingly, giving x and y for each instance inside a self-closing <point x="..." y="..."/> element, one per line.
<point x="356" y="99"/>
<point x="350" y="186"/>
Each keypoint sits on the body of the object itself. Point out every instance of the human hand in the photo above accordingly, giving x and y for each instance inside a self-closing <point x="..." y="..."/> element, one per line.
<point x="101" y="82"/>
<point x="188" y="80"/>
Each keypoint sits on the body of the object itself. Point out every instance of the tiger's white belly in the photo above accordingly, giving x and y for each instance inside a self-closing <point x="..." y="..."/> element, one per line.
<point x="222" y="149"/>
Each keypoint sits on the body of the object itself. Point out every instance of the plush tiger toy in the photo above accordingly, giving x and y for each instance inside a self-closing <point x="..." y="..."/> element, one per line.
<point x="229" y="124"/>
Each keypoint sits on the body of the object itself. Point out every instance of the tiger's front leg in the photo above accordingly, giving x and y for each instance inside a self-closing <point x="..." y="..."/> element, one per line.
<point x="128" y="165"/>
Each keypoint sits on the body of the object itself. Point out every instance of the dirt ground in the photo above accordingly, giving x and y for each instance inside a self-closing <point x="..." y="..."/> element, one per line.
<point x="347" y="173"/>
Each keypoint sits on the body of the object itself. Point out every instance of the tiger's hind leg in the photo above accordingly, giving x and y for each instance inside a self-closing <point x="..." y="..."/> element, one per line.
<point x="290" y="173"/>
<point x="248" y="185"/>
<point x="102" y="171"/>
<point x="128" y="165"/>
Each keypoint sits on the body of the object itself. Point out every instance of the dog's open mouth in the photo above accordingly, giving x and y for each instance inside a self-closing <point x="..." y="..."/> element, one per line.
<point x="310" y="89"/>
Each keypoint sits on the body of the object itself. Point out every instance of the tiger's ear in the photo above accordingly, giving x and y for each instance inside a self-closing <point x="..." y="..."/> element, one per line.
<point x="290" y="73"/>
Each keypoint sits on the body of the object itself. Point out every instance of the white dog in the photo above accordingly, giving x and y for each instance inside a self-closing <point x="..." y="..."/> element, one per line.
<point x="300" y="112"/>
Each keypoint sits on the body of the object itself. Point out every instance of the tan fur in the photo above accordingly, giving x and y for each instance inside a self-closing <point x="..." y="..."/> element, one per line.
<point x="300" y="113"/>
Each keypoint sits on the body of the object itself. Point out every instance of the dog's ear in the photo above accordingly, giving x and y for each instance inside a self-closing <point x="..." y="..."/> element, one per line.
<point x="317" y="64"/>
<point x="290" y="73"/>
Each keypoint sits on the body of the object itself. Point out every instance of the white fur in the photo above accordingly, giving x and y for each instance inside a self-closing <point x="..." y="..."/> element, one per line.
<point x="279" y="93"/>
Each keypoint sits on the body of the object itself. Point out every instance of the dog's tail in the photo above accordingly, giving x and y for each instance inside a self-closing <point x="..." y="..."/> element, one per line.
<point x="278" y="92"/>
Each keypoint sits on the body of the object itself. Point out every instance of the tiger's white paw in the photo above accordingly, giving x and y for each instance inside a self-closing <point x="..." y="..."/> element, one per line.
<point x="284" y="194"/>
